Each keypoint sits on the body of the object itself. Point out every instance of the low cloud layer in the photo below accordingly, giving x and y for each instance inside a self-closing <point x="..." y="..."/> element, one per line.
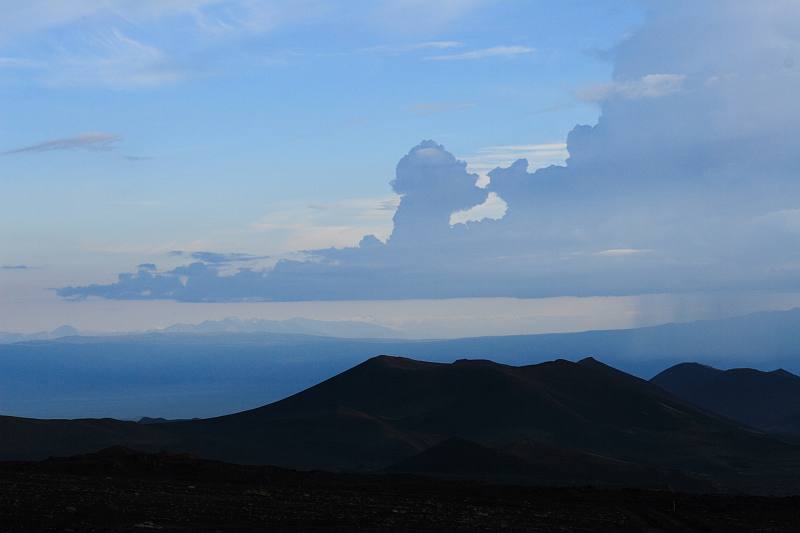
<point x="688" y="182"/>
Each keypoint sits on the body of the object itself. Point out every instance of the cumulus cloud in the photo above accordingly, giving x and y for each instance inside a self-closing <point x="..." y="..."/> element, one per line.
<point x="85" y="141"/>
<point x="687" y="182"/>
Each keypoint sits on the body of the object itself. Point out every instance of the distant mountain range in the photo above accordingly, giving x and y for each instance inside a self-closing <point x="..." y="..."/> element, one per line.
<point x="558" y="422"/>
<point x="63" y="331"/>
<point x="769" y="337"/>
<point x="300" y="326"/>
<point x="231" y="325"/>
<point x="765" y="340"/>
<point x="183" y="375"/>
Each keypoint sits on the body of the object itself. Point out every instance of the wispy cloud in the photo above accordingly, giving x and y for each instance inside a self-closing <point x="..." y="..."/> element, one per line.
<point x="110" y="59"/>
<point x="125" y="44"/>
<point x="219" y="258"/>
<point x="41" y="15"/>
<point x="394" y="49"/>
<point x="783" y="220"/>
<point x="339" y="223"/>
<point x="487" y="159"/>
<point x="419" y="15"/>
<point x="14" y="267"/>
<point x="359" y="207"/>
<point x="84" y="141"/>
<point x="431" y="108"/>
<point x="649" y="86"/>
<point x="139" y="203"/>
<point x="16" y="62"/>
<point x="623" y="252"/>
<point x="119" y="44"/>
<point x="484" y="53"/>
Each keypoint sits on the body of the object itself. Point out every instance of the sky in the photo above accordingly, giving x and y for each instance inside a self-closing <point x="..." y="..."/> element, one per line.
<point x="202" y="158"/>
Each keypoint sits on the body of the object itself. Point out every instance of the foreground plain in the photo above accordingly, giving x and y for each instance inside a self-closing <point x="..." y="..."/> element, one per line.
<point x="119" y="490"/>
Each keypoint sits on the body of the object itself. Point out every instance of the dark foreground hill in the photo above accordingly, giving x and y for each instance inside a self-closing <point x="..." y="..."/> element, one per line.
<point x="556" y="423"/>
<point x="765" y="400"/>
<point x="123" y="491"/>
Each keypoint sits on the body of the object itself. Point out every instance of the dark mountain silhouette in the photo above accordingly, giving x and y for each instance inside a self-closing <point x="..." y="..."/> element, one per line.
<point x="759" y="340"/>
<point x="764" y="400"/>
<point x="29" y="438"/>
<point x="565" y="422"/>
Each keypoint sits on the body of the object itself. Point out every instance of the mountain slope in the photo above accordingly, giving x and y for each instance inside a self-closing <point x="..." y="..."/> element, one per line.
<point x="567" y="422"/>
<point x="764" y="400"/>
<point x="33" y="439"/>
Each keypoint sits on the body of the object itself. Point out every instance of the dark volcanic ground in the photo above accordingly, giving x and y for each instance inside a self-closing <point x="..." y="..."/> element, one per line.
<point x="123" y="491"/>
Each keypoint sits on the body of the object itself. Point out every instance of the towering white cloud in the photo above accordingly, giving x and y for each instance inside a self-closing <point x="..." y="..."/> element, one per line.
<point x="690" y="180"/>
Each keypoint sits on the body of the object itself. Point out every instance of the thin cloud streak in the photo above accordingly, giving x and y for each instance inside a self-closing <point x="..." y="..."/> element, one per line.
<point x="16" y="62"/>
<point x="484" y="53"/>
<point x="542" y="155"/>
<point x="411" y="47"/>
<point x="648" y="86"/>
<point x="220" y="258"/>
<point x="432" y="108"/>
<point x="97" y="141"/>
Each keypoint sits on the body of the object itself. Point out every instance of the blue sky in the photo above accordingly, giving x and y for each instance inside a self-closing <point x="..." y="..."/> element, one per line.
<point x="231" y="119"/>
<point x="131" y="130"/>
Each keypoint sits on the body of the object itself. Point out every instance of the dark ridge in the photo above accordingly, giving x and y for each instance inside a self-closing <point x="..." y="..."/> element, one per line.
<point x="769" y="401"/>
<point x="149" y="420"/>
